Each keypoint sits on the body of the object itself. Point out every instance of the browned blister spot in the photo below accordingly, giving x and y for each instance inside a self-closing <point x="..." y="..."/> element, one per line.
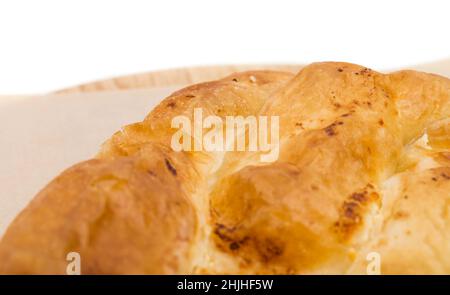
<point x="401" y="214"/>
<point x="331" y="129"/>
<point x="228" y="239"/>
<point x="353" y="209"/>
<point x="170" y="167"/>
<point x="269" y="249"/>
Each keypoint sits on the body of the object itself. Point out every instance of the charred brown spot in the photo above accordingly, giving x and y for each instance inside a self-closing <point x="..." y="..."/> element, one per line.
<point x="190" y="96"/>
<point x="352" y="210"/>
<point x="434" y="178"/>
<point x="269" y="249"/>
<point x="170" y="167"/>
<point x="366" y="71"/>
<point x="349" y="218"/>
<point x="345" y="115"/>
<point x="223" y="232"/>
<point x="331" y="130"/>
<point x="171" y="104"/>
<point x="359" y="197"/>
<point x="381" y="122"/>
<point x="234" y="246"/>
<point x="445" y="176"/>
<point x="401" y="215"/>
<point x="235" y="80"/>
<point x="340" y="70"/>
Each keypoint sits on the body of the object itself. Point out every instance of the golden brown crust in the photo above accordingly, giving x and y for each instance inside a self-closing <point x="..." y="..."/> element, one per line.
<point x="130" y="215"/>
<point x="239" y="94"/>
<point x="353" y="144"/>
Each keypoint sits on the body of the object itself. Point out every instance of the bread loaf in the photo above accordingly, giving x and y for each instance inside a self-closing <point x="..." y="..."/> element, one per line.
<point x="363" y="167"/>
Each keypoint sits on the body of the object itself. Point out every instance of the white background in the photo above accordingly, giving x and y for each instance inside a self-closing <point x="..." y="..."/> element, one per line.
<point x="46" y="45"/>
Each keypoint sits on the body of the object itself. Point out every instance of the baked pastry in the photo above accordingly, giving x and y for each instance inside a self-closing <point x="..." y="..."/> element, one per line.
<point x="363" y="168"/>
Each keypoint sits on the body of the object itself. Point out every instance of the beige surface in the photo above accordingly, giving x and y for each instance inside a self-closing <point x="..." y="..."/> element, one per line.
<point x="43" y="135"/>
